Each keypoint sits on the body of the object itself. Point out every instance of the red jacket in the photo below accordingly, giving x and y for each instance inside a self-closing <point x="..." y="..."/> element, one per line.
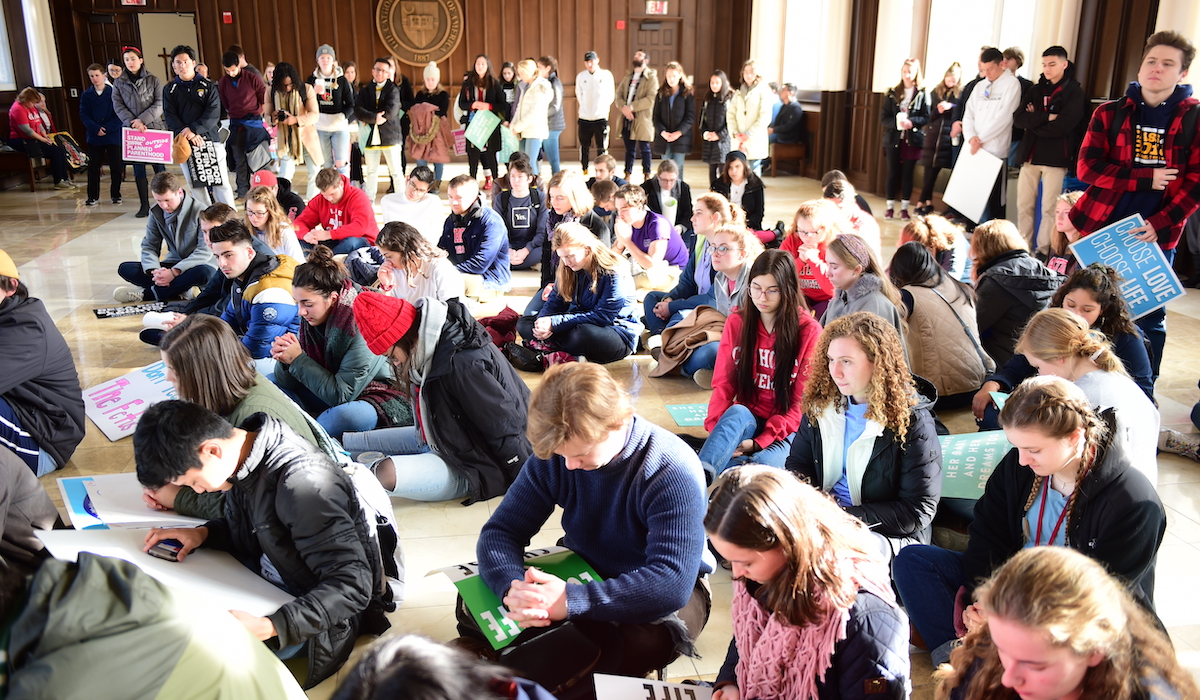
<point x="762" y="404"/>
<point x="1107" y="167"/>
<point x="352" y="217"/>
<point x="814" y="277"/>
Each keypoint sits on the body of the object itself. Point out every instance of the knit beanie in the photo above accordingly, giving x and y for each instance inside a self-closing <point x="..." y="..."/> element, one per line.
<point x="432" y="71"/>
<point x="7" y="267"/>
<point x="382" y="319"/>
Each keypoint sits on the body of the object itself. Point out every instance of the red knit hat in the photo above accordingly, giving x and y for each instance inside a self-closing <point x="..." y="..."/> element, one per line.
<point x="382" y="319"/>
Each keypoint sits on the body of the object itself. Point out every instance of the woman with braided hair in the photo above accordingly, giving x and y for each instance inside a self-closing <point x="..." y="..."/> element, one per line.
<point x="1067" y="482"/>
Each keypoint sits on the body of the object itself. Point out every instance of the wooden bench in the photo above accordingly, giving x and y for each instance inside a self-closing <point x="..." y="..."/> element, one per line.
<point x="788" y="151"/>
<point x="20" y="164"/>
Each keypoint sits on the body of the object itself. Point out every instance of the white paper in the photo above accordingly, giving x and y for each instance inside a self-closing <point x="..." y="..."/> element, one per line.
<point x="215" y="578"/>
<point x="971" y="182"/>
<point x="627" y="688"/>
<point x="117" y="499"/>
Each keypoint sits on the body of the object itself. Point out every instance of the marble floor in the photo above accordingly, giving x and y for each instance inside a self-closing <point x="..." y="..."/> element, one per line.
<point x="68" y="254"/>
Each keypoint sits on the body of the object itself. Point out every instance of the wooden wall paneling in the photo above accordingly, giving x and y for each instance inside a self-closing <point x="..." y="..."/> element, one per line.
<point x="860" y="148"/>
<point x="1111" y="36"/>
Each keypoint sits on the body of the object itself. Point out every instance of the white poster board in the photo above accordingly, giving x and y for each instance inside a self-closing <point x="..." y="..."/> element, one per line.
<point x="117" y="500"/>
<point x="971" y="182"/>
<point x="215" y="578"/>
<point x="115" y="406"/>
<point x="627" y="688"/>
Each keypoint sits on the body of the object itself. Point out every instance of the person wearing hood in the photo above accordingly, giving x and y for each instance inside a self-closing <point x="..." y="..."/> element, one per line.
<point x="1068" y="482"/>
<point x="192" y="109"/>
<point x="335" y="100"/>
<point x="41" y="404"/>
<point x="471" y="405"/>
<point x="867" y="437"/>
<point x="138" y="102"/>
<point x="1050" y="114"/>
<point x="1135" y="160"/>
<point x="476" y="239"/>
<point x="1010" y="285"/>
<point x="861" y="284"/>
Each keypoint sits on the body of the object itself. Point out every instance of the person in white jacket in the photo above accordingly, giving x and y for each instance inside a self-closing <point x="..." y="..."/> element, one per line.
<point x="988" y="120"/>
<point x="595" y="92"/>
<point x="749" y="115"/>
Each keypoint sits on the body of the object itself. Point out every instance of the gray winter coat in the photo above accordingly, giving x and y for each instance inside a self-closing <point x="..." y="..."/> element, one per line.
<point x="139" y="99"/>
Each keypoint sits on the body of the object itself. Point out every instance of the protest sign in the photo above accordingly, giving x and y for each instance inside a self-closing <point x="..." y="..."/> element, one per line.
<point x="130" y="309"/>
<point x="149" y="146"/>
<point x="627" y="688"/>
<point x="971" y="183"/>
<point x="1147" y="280"/>
<point x="116" y="405"/>
<point x="689" y="415"/>
<point x="460" y="141"/>
<point x="509" y="144"/>
<point x="481" y="128"/>
<point x="968" y="460"/>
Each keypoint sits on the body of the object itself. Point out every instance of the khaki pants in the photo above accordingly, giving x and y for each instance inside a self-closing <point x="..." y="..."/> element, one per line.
<point x="1051" y="180"/>
<point x="473" y="288"/>
<point x="371" y="168"/>
<point x="660" y="278"/>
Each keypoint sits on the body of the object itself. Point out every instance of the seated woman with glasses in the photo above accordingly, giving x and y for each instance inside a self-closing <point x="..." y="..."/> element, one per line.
<point x="266" y="219"/>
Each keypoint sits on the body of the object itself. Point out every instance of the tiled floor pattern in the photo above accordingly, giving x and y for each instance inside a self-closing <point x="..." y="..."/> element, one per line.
<point x="68" y="255"/>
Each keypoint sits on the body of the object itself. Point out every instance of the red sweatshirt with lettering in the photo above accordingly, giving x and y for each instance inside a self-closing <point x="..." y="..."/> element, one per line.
<point x="814" y="275"/>
<point x="762" y="402"/>
<point x="352" y="217"/>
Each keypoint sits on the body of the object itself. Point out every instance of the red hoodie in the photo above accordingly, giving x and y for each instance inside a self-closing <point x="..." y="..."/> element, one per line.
<point x="352" y="217"/>
<point x="762" y="404"/>
<point x="814" y="277"/>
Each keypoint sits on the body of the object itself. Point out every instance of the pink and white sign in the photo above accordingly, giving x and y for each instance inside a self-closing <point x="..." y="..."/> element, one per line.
<point x="115" y="406"/>
<point x="149" y="146"/>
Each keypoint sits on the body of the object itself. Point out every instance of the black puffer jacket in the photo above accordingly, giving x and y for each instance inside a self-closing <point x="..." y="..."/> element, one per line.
<point x="1053" y="143"/>
<point x="902" y="481"/>
<point x="938" y="149"/>
<point x="1010" y="289"/>
<point x="290" y="502"/>
<point x="1118" y="519"/>
<point x="918" y="114"/>
<point x="478" y="406"/>
<point x="679" y="117"/>
<point x="39" y="379"/>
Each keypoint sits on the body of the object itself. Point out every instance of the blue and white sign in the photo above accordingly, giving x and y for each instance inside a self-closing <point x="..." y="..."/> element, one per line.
<point x="1148" y="282"/>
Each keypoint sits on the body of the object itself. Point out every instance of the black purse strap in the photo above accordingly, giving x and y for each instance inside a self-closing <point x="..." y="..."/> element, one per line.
<point x="983" y="358"/>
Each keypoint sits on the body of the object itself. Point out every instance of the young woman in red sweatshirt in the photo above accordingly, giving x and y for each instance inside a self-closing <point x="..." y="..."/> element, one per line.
<point x="766" y="344"/>
<point x="817" y="222"/>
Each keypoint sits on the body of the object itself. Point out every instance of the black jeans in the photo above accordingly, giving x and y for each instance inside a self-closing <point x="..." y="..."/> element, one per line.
<point x="599" y="344"/>
<point x="592" y="130"/>
<point x="899" y="174"/>
<point x="116" y="167"/>
<point x="931" y="174"/>
<point x="634" y="149"/>
<point x="55" y="155"/>
<point x="474" y="156"/>
<point x="198" y="276"/>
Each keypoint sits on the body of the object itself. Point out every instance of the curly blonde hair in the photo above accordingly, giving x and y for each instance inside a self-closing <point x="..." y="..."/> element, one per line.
<point x="891" y="395"/>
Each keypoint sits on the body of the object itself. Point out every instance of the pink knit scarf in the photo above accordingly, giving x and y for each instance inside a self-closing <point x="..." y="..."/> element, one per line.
<point x="778" y="660"/>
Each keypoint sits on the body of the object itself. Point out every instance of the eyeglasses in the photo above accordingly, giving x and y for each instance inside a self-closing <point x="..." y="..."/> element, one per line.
<point x="723" y="249"/>
<point x="256" y="214"/>
<point x="757" y="291"/>
<point x="802" y="232"/>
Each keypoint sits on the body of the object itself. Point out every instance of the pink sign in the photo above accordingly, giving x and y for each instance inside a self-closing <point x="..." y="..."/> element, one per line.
<point x="460" y="141"/>
<point x="149" y="146"/>
<point x="116" y="405"/>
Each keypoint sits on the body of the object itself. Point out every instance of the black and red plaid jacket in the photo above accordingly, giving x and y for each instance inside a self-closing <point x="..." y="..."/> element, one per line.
<point x="1108" y="168"/>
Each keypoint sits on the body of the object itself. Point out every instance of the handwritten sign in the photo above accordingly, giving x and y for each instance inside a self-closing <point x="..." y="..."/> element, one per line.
<point x="968" y="460"/>
<point x="481" y="128"/>
<point x="1148" y="282"/>
<point x="149" y="146"/>
<point x="486" y="608"/>
<point x="627" y="688"/>
<point x="116" y="406"/>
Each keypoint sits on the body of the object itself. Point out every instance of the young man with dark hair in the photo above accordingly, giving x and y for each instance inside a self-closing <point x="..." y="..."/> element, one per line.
<point x="261" y="307"/>
<point x="192" y="109"/>
<point x="475" y="240"/>
<point x="651" y="243"/>
<point x="174" y="220"/>
<point x="416" y="206"/>
<point x="243" y="94"/>
<point x="291" y="514"/>
<point x="242" y="63"/>
<point x="378" y="108"/>
<point x="1050" y="115"/>
<point x="1140" y="155"/>
<point x="341" y="216"/>
<point x="988" y="119"/>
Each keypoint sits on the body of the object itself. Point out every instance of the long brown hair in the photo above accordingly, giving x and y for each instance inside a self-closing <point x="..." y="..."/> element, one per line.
<point x="277" y="225"/>
<point x="600" y="261"/>
<point x="941" y="92"/>
<point x="780" y="265"/>
<point x="761" y="508"/>
<point x="211" y="366"/>
<point x="666" y="90"/>
<point x="891" y="395"/>
<point x="1104" y="284"/>
<point x="1079" y="606"/>
<point x="413" y="248"/>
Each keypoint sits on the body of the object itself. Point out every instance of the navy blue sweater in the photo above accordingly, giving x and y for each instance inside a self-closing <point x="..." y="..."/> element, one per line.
<point x="96" y="111"/>
<point x="638" y="520"/>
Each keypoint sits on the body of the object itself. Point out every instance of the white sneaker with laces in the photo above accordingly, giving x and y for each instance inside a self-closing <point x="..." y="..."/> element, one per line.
<point x="128" y="295"/>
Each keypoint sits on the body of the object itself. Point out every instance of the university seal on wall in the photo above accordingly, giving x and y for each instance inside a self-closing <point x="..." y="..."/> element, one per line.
<point x="420" y="31"/>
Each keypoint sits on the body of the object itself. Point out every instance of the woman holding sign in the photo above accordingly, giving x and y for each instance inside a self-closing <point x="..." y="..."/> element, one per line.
<point x="138" y="101"/>
<point x="814" y="615"/>
<point x="1069" y="483"/>
<point x="481" y="93"/>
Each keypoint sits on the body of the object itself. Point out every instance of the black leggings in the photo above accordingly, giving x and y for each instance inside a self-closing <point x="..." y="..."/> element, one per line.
<point x="474" y="155"/>
<point x="931" y="174"/>
<point x="97" y="155"/>
<point x="599" y="344"/>
<point x="899" y="174"/>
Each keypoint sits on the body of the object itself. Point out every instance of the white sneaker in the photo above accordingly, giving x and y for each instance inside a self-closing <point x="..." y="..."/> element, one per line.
<point x="128" y="295"/>
<point x="191" y="293"/>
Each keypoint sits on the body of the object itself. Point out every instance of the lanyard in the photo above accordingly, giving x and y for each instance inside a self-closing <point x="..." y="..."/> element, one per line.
<point x="1045" y="494"/>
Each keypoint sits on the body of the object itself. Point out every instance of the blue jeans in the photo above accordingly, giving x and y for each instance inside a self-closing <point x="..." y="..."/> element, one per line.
<point x="335" y="146"/>
<point x="352" y="416"/>
<point x="738" y="424"/>
<point x="1154" y="325"/>
<point x="756" y="166"/>
<point x="343" y="247"/>
<point x="676" y="156"/>
<point x="139" y="169"/>
<point x="550" y="146"/>
<point x="928" y="579"/>
<point x="421" y="475"/>
<point x="437" y="168"/>
<point x="705" y="357"/>
<point x="531" y="148"/>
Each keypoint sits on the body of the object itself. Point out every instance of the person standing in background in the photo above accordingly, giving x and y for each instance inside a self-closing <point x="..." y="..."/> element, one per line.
<point x="595" y="92"/>
<point x="635" y="100"/>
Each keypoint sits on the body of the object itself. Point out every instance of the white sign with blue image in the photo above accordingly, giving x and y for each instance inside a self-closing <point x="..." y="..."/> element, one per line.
<point x="1147" y="280"/>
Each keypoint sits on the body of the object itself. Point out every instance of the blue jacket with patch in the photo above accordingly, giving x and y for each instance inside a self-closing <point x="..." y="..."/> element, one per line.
<point x="261" y="307"/>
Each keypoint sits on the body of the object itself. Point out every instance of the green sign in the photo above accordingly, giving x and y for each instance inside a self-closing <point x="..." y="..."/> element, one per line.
<point x="689" y="415"/>
<point x="509" y="144"/>
<point x="486" y="608"/>
<point x="481" y="128"/>
<point x="968" y="460"/>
